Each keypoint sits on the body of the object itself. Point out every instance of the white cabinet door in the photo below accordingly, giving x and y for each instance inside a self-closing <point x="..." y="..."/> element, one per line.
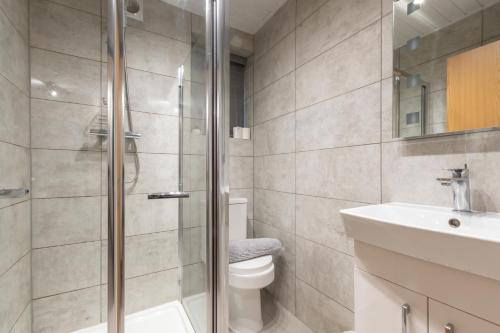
<point x="441" y="315"/>
<point x="378" y="306"/>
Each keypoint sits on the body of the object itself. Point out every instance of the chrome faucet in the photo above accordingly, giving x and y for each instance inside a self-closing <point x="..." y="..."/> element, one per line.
<point x="460" y="184"/>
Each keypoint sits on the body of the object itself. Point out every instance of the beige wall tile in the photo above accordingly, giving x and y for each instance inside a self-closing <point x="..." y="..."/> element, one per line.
<point x="150" y="290"/>
<point x="154" y="53"/>
<point x="350" y="119"/>
<point x="151" y="253"/>
<point x="483" y="156"/>
<point x="15" y="234"/>
<point x="276" y="172"/>
<point x="335" y="71"/>
<point x="65" y="30"/>
<point x="276" y="136"/>
<point x="158" y="173"/>
<point x="145" y="254"/>
<point x="193" y="246"/>
<point x="56" y="125"/>
<point x="67" y="312"/>
<point x="153" y="93"/>
<point x="319" y="220"/>
<point x="14" y="108"/>
<point x="195" y="172"/>
<point x="15" y="288"/>
<point x="321" y="313"/>
<point x="276" y="63"/>
<point x="159" y="133"/>
<point x="23" y="324"/>
<point x="241" y="43"/>
<point x="14" y="170"/>
<point x="276" y="28"/>
<point x="240" y="172"/>
<point x="336" y="21"/>
<point x="278" y="319"/>
<point x="65" y="268"/>
<point x="90" y="6"/>
<point x="386" y="7"/>
<point x="17" y="12"/>
<point x="387" y="46"/>
<point x="240" y="147"/>
<point x="75" y="79"/>
<point x="60" y="173"/>
<point x="327" y="270"/>
<point x="275" y="100"/>
<point x="194" y="279"/>
<point x="275" y="208"/>
<point x="62" y="221"/>
<point x="283" y="286"/>
<point x="165" y="19"/>
<point x="351" y="173"/>
<point x="306" y="8"/>
<point x="14" y="59"/>
<point x="287" y="239"/>
<point x="143" y="216"/>
<point x="410" y="169"/>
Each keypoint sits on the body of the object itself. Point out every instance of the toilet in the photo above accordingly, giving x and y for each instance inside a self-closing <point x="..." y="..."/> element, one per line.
<point x="246" y="278"/>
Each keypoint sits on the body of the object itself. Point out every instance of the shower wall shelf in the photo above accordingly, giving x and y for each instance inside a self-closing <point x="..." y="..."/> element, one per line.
<point x="104" y="133"/>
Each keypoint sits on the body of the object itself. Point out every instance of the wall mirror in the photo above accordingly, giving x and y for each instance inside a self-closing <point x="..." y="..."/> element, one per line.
<point x="446" y="66"/>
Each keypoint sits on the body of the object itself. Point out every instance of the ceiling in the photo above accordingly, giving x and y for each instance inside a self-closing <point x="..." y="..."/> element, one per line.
<point x="434" y="15"/>
<point x="246" y="15"/>
<point x="250" y="15"/>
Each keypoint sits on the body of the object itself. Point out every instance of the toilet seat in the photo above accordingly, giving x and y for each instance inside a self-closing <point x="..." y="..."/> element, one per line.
<point x="252" y="274"/>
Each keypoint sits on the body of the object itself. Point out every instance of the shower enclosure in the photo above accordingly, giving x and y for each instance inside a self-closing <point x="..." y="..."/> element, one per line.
<point x="112" y="174"/>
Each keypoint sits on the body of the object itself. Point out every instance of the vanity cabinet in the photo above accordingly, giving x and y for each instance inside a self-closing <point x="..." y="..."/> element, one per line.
<point x="440" y="299"/>
<point x="383" y="307"/>
<point x="445" y="319"/>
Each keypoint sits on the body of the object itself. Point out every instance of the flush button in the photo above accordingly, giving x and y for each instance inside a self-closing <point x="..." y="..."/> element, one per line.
<point x="454" y="223"/>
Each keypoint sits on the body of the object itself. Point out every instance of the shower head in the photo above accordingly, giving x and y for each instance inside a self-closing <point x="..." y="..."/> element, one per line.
<point x="133" y="6"/>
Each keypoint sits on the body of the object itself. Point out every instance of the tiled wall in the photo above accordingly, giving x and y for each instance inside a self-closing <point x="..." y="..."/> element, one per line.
<point x="68" y="54"/>
<point x="241" y="162"/>
<point x="15" y="214"/>
<point x="323" y="142"/>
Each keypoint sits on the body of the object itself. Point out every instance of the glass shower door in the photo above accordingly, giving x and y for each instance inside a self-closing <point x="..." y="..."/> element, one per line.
<point x="163" y="237"/>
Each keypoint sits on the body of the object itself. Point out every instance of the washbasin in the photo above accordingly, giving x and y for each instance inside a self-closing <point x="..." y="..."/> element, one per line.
<point x="464" y="241"/>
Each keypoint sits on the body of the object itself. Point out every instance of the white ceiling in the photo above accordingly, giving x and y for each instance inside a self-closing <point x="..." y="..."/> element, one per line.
<point x="246" y="15"/>
<point x="434" y="15"/>
<point x="250" y="15"/>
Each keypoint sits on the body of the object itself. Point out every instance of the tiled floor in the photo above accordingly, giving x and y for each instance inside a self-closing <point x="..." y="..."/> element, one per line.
<point x="279" y="320"/>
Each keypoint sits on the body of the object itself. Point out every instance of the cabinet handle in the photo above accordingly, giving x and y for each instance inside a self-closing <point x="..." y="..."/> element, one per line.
<point x="449" y="328"/>
<point x="405" y="310"/>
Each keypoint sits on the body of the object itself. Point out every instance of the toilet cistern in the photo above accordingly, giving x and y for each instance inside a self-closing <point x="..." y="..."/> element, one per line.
<point x="460" y="185"/>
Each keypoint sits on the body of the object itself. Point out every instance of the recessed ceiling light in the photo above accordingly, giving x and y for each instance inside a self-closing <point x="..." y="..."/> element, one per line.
<point x="418" y="2"/>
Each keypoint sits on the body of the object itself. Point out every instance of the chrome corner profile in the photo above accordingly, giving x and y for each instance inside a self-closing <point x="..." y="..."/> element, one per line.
<point x="217" y="43"/>
<point x="116" y="172"/>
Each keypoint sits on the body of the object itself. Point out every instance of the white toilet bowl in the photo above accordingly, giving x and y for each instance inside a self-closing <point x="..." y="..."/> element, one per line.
<point x="246" y="278"/>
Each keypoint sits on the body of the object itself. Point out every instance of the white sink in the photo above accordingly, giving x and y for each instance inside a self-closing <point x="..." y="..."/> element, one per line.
<point x="424" y="232"/>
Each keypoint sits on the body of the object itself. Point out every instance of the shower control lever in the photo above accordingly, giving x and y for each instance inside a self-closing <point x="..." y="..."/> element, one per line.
<point x="168" y="195"/>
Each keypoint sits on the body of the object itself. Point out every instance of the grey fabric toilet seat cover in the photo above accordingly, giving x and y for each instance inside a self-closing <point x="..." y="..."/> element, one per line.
<point x="245" y="249"/>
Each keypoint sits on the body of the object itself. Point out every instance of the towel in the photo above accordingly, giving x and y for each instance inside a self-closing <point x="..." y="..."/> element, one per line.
<point x="245" y="249"/>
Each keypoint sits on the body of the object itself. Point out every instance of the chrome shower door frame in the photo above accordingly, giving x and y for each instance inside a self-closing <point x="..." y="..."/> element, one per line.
<point x="116" y="168"/>
<point x="217" y="107"/>
<point x="217" y="62"/>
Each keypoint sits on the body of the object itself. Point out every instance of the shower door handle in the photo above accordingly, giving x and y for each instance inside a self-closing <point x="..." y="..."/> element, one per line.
<point x="168" y="195"/>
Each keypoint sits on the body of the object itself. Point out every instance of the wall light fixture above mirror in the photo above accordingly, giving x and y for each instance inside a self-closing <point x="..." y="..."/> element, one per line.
<point x="446" y="66"/>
